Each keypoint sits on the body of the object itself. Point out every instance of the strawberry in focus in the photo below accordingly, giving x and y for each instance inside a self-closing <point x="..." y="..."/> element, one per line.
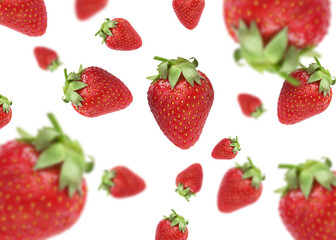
<point x="86" y="9"/>
<point x="250" y="105"/>
<point x="47" y="58"/>
<point x="227" y="148"/>
<point x="5" y="111"/>
<point x="189" y="12"/>
<point x="189" y="181"/>
<point x="173" y="227"/>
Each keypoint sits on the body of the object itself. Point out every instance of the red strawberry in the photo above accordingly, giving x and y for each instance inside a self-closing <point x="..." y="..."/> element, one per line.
<point x="307" y="206"/>
<point x="5" y="111"/>
<point x="85" y="9"/>
<point x="240" y="187"/>
<point x="189" y="12"/>
<point x="311" y="97"/>
<point x="94" y="92"/>
<point x="25" y="16"/>
<point x="189" y="181"/>
<point x="41" y="185"/>
<point x="180" y="98"/>
<point x="250" y="105"/>
<point x="227" y="148"/>
<point x="173" y="227"/>
<point x="47" y="58"/>
<point x="119" y="34"/>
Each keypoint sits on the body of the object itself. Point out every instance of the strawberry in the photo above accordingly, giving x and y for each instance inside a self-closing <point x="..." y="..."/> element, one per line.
<point x="43" y="192"/>
<point x="121" y="182"/>
<point x="47" y="58"/>
<point x="250" y="105"/>
<point x="307" y="206"/>
<point x="5" y="111"/>
<point x="180" y="98"/>
<point x="311" y="97"/>
<point x="85" y="9"/>
<point x="189" y="12"/>
<point x="118" y="34"/>
<point x="227" y="148"/>
<point x="189" y="181"/>
<point x="173" y="227"/>
<point x="94" y="92"/>
<point x="240" y="187"/>
<point x="25" y="16"/>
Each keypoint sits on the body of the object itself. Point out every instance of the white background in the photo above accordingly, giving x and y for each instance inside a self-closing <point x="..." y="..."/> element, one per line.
<point x="132" y="138"/>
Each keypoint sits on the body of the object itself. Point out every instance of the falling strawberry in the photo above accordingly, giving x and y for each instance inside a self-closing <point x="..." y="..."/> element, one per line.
<point x="25" y="16"/>
<point x="189" y="12"/>
<point x="227" y="148"/>
<point x="240" y="187"/>
<point x="173" y="227"/>
<point x="43" y="192"/>
<point x="85" y="9"/>
<point x="180" y="98"/>
<point x="311" y="97"/>
<point x="121" y="182"/>
<point x="47" y="58"/>
<point x="189" y="181"/>
<point x="118" y="34"/>
<point x="250" y="105"/>
<point x="307" y="206"/>
<point x="5" y="111"/>
<point x="94" y="92"/>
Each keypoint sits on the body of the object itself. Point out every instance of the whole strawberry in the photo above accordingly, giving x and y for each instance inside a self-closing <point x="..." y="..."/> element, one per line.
<point x="5" y="111"/>
<point x="189" y="181"/>
<point x="85" y="9"/>
<point x="250" y="105"/>
<point x="94" y="92"/>
<point x="25" y="16"/>
<point x="311" y="97"/>
<point x="189" y="12"/>
<point x="47" y="58"/>
<point x="240" y="187"/>
<point x="118" y="34"/>
<point x="173" y="227"/>
<point x="43" y="192"/>
<point x="227" y="148"/>
<point x="121" y="182"/>
<point x="307" y="206"/>
<point x="180" y="98"/>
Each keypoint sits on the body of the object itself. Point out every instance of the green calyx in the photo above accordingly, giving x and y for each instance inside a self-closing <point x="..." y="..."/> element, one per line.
<point x="5" y="103"/>
<point x="184" y="192"/>
<point x="104" y="30"/>
<point x="258" y="111"/>
<point x="72" y="84"/>
<point x="251" y="171"/>
<point x="107" y="182"/>
<point x="54" y="65"/>
<point x="56" y="148"/>
<point x="172" y="69"/>
<point x="304" y="175"/>
<point x="176" y="219"/>
<point x="235" y="144"/>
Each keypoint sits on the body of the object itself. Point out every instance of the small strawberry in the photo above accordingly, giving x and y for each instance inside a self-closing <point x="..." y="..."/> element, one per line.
<point x="121" y="182"/>
<point x="189" y="12"/>
<point x="85" y="9"/>
<point x="240" y="187"/>
<point x="118" y="34"/>
<point x="227" y="148"/>
<point x="5" y="111"/>
<point x="94" y="92"/>
<point x="28" y="17"/>
<point x="47" y="58"/>
<point x="307" y="206"/>
<point x="189" y="181"/>
<point x="311" y="97"/>
<point x="250" y="105"/>
<point x="173" y="227"/>
<point x="180" y="98"/>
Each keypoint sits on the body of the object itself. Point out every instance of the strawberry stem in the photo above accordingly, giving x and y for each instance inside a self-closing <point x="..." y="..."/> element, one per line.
<point x="55" y="123"/>
<point x="161" y="59"/>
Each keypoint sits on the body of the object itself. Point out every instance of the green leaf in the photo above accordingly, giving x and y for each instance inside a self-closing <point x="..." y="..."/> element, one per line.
<point x="174" y="75"/>
<point x="75" y="98"/>
<point x="44" y="137"/>
<point x="275" y="50"/>
<point x="190" y="73"/>
<point x="163" y="70"/>
<point x="316" y="76"/>
<point x="154" y="78"/>
<point x="306" y="182"/>
<point x="291" y="178"/>
<point x="291" y="61"/>
<point x="238" y="56"/>
<point x="76" y="85"/>
<point x="312" y="68"/>
<point x="25" y="136"/>
<point x="53" y="155"/>
<point x="324" y="177"/>
<point x="74" y="77"/>
<point x="194" y="62"/>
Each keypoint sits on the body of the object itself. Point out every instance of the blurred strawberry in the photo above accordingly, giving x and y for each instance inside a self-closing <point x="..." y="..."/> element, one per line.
<point x="227" y="148"/>
<point x="189" y="12"/>
<point x="5" y="111"/>
<point x="189" y="181"/>
<point x="85" y="9"/>
<point x="47" y="58"/>
<point x="250" y="105"/>
<point x="173" y="227"/>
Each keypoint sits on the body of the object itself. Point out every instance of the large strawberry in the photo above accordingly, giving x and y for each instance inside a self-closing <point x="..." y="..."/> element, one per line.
<point x="25" y="16"/>
<point x="227" y="148"/>
<point x="5" y="111"/>
<point x="251" y="105"/>
<point x="94" y="91"/>
<point x="43" y="192"/>
<point x="85" y="9"/>
<point x="180" y="98"/>
<point x="173" y="227"/>
<point x="47" y="58"/>
<point x="189" y="12"/>
<point x="311" y="97"/>
<point x="307" y="206"/>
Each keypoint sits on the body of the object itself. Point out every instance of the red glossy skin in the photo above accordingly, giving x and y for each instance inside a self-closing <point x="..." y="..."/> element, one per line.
<point x="248" y="103"/>
<point x="25" y="16"/>
<point x="86" y="9"/>
<point x="31" y="205"/>
<point x="297" y="103"/>
<point x="189" y="12"/>
<point x="307" y="20"/>
<point x="45" y="57"/>
<point x="223" y="150"/>
<point x="164" y="231"/>
<point x="5" y="117"/>
<point x="181" y="112"/>
<point x="191" y="177"/>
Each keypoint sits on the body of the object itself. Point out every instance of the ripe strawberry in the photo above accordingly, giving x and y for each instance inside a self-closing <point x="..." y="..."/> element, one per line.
<point x="307" y="206"/>
<point x="312" y="97"/>
<point x="119" y="34"/>
<point x="25" y="16"/>
<point x="121" y="182"/>
<point x="240" y="187"/>
<point x="5" y="111"/>
<point x="189" y="12"/>
<point x="250" y="105"/>
<point x="41" y="185"/>
<point x="85" y="9"/>
<point x="173" y="227"/>
<point x="47" y="58"/>
<point x="180" y="98"/>
<point x="189" y="181"/>
<point x="227" y="148"/>
<point x="94" y="92"/>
